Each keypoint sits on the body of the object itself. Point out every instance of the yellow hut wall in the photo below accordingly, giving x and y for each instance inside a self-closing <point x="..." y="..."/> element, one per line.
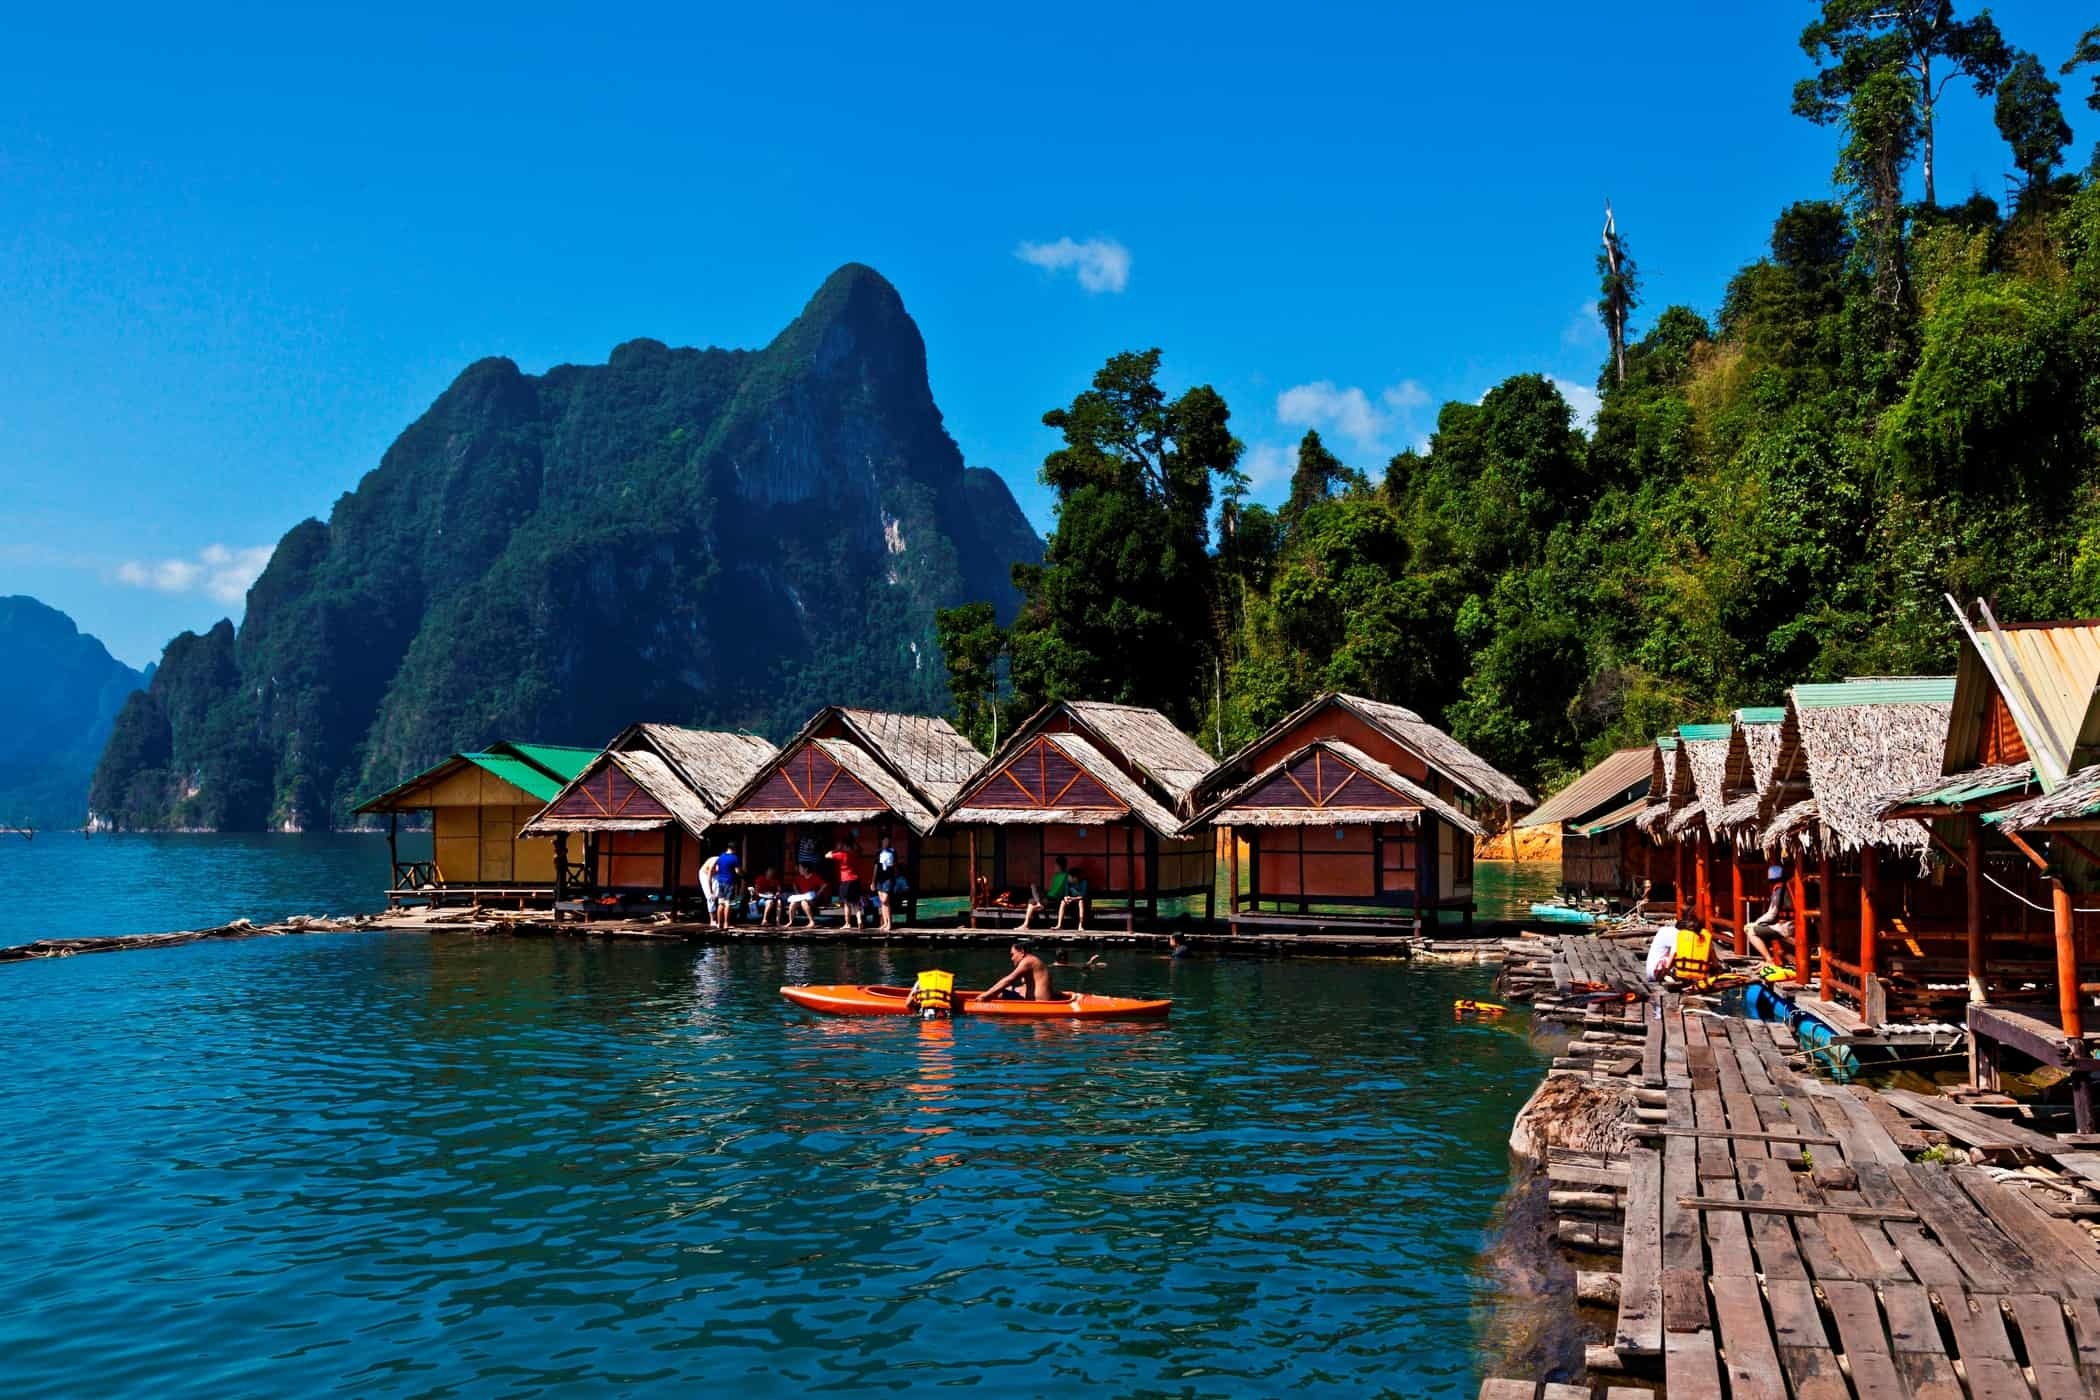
<point x="475" y="818"/>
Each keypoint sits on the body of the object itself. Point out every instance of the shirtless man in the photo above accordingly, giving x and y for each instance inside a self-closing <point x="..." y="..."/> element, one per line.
<point x="1029" y="981"/>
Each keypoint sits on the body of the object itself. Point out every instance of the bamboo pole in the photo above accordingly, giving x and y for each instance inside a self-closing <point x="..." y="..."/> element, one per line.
<point x="1869" y="918"/>
<point x="2067" y="996"/>
<point x="1974" y="846"/>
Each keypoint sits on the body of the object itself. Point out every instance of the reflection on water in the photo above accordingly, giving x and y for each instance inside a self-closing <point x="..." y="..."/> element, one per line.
<point x="397" y="1165"/>
<point x="1506" y="889"/>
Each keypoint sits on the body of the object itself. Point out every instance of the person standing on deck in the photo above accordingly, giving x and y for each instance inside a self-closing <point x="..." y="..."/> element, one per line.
<point x="846" y="859"/>
<point x="707" y="884"/>
<point x="725" y="884"/>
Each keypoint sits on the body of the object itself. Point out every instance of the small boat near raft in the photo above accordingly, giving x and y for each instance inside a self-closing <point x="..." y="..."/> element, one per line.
<point x="848" y="1000"/>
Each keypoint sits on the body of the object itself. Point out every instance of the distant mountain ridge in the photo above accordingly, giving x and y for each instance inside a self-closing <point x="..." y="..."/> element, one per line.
<point x="61" y="698"/>
<point x="728" y="537"/>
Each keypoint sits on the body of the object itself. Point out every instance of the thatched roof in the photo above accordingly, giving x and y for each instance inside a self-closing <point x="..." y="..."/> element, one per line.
<point x="1423" y="798"/>
<point x="713" y="762"/>
<point x="1952" y="794"/>
<point x="925" y="751"/>
<point x="1761" y="744"/>
<point x="2076" y="799"/>
<point x="1654" y="819"/>
<point x="1863" y="747"/>
<point x="653" y="776"/>
<point x="1137" y="803"/>
<point x="1149" y="740"/>
<point x="1794" y="825"/>
<point x="1610" y="783"/>
<point x="1439" y="750"/>
<point x="1687" y="819"/>
<point x="862" y="766"/>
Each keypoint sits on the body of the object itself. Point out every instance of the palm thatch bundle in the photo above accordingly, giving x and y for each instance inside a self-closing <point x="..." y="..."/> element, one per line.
<point x="924" y="750"/>
<point x="2076" y="798"/>
<point x="1654" y="819"/>
<point x="1859" y="757"/>
<point x="1173" y="761"/>
<point x="1136" y="802"/>
<point x="1794" y="827"/>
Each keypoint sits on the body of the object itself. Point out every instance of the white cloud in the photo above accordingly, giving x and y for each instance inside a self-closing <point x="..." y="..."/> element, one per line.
<point x="1268" y="467"/>
<point x="1583" y="328"/>
<point x="1352" y="413"/>
<point x="222" y="574"/>
<point x="1582" y="398"/>
<point x="1102" y="264"/>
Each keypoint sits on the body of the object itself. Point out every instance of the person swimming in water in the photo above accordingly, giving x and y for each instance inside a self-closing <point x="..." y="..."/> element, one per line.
<point x="1029" y="981"/>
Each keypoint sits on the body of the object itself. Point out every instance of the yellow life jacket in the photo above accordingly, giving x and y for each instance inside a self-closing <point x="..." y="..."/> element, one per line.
<point x="933" y="991"/>
<point x="1694" y="959"/>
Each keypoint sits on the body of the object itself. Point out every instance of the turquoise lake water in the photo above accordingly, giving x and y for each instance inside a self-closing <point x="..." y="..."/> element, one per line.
<point x="400" y="1165"/>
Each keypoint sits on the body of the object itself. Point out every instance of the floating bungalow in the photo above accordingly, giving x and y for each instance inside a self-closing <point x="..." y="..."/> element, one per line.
<point x="478" y="804"/>
<point x="2015" y="809"/>
<point x="851" y="778"/>
<point x="1107" y="788"/>
<point x="1351" y="813"/>
<point x="1600" y="855"/>
<point x="634" y="821"/>
<point x="1845" y="750"/>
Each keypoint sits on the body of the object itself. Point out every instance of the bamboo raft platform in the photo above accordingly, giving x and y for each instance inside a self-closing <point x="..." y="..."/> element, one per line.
<point x="1780" y="1235"/>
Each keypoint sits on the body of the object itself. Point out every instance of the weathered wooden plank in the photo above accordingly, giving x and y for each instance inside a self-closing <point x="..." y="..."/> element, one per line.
<point x="1749" y="1354"/>
<point x="1691" y="1366"/>
<point x="1978" y="1326"/>
<point x="1508" y="1390"/>
<point x="1771" y="1135"/>
<point x="1708" y="1114"/>
<point x="1727" y="1235"/>
<point x="1728" y="1203"/>
<point x="2063" y="1252"/>
<point x="1566" y="1392"/>
<point x="1805" y="1352"/>
<point x="1640" y="1325"/>
<point x="1987" y="1258"/>
<point x="1914" y="1336"/>
<point x="1583" y="1174"/>
<point x="1770" y="1233"/>
<point x="1968" y="1127"/>
<point x="2085" y="1339"/>
<point x="1907" y="1138"/>
<point x="1927" y="1261"/>
<point x="1683" y="1238"/>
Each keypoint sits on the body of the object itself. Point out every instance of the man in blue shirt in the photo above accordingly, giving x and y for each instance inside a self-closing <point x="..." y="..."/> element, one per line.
<point x="725" y="884"/>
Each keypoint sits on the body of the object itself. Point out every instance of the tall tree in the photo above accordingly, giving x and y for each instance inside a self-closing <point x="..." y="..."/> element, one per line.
<point x="1315" y="478"/>
<point x="2031" y="119"/>
<point x="1881" y="140"/>
<point x="1124" y="606"/>
<point x="1856" y="39"/>
<point x="972" y="644"/>
<point x="1619" y="293"/>
<point x="2084" y="54"/>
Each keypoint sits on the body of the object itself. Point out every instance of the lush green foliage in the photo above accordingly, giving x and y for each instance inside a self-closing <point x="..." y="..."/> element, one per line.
<point x="1899" y="402"/>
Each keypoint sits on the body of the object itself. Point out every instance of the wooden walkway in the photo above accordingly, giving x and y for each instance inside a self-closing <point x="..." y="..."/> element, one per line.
<point x="1778" y="1238"/>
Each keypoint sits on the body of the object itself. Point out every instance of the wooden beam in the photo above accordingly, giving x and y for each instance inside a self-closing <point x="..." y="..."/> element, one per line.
<point x="1735" y="894"/>
<point x="1798" y="886"/>
<point x="1869" y="916"/>
<point x="1826" y="920"/>
<point x="1960" y="859"/>
<point x="2074" y="843"/>
<point x="1729" y="1203"/>
<point x="2069" y="1003"/>
<point x="2028" y="851"/>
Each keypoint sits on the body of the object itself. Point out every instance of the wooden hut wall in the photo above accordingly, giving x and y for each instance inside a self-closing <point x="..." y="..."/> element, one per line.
<point x="807" y="780"/>
<point x="634" y="860"/>
<point x="1454" y="854"/>
<point x="1339" y="722"/>
<point x="1596" y="864"/>
<point x="475" y="817"/>
<point x="1361" y="862"/>
<point x="1043" y="777"/>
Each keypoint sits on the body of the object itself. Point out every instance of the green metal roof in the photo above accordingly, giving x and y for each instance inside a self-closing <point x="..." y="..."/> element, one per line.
<point x="1705" y="731"/>
<point x="562" y="760"/>
<point x="1877" y="690"/>
<point x="1975" y="786"/>
<point x="1761" y="714"/>
<point x="517" y="772"/>
<point x="1666" y="742"/>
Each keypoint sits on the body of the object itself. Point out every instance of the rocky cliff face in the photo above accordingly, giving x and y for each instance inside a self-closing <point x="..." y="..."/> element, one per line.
<point x="699" y="536"/>
<point x="62" y="692"/>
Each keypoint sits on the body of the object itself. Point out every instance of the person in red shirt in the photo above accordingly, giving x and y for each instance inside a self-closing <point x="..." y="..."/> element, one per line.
<point x="766" y="890"/>
<point x="843" y="857"/>
<point x="809" y="888"/>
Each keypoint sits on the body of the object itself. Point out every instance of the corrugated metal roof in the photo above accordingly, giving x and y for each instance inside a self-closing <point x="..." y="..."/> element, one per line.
<point x="1876" y="690"/>
<point x="1761" y="714"/>
<point x="2076" y="799"/>
<point x="1615" y="778"/>
<point x="1613" y="820"/>
<point x="562" y="760"/>
<point x="1976" y="785"/>
<point x="2046" y="672"/>
<point x="1704" y="731"/>
<point x="526" y="777"/>
<point x="1666" y="742"/>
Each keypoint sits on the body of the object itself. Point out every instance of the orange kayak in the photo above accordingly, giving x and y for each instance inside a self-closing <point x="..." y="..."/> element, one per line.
<point x="849" y="1000"/>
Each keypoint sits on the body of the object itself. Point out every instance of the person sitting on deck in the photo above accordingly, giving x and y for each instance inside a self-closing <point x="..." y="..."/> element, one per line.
<point x="1029" y="981"/>
<point x="846" y="860"/>
<point x="1776" y="924"/>
<point x="1072" y="893"/>
<point x="1033" y="905"/>
<point x="725" y="884"/>
<point x="809" y="889"/>
<point x="766" y="890"/>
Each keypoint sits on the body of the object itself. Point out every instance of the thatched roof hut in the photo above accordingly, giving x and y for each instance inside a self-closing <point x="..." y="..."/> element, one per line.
<point x="1753" y="752"/>
<point x="1329" y="783"/>
<point x="650" y="776"/>
<point x="1662" y="781"/>
<point x="1142" y="745"/>
<point x="848" y="766"/>
<point x="1851" y="747"/>
<point x="1368" y="723"/>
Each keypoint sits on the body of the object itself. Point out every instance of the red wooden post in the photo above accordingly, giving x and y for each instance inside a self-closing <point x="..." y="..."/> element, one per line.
<point x="1797" y="884"/>
<point x="1735" y="892"/>
<point x="1702" y="859"/>
<point x="1869" y="918"/>
<point x="2068" y="1002"/>
<point x="972" y="882"/>
<point x="1826" y="925"/>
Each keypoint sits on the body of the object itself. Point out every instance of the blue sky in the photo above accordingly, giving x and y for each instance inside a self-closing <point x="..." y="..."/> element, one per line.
<point x="241" y="250"/>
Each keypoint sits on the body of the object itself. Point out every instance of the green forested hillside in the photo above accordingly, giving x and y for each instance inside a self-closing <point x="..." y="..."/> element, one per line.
<point x="1897" y="402"/>
<point x="62" y="693"/>
<point x="722" y="536"/>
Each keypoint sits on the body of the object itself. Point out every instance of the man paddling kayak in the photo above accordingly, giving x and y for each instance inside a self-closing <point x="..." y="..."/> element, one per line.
<point x="1035" y="987"/>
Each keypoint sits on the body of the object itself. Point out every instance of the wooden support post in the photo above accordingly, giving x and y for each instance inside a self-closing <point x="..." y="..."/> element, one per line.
<point x="1703" y="865"/>
<point x="1869" y="919"/>
<point x="671" y="834"/>
<point x="1130" y="875"/>
<point x="1679" y="878"/>
<point x="393" y="855"/>
<point x="1735" y="894"/>
<point x="561" y="865"/>
<point x="972" y="905"/>
<point x="1826" y="925"/>
<point x="1974" y="848"/>
<point x="2068" y="1002"/>
<point x="1797" y="888"/>
<point x="1232" y="890"/>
